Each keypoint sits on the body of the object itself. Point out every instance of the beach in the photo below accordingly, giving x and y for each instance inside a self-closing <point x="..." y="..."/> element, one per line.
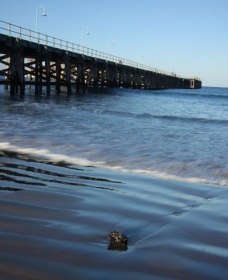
<point x="151" y="165"/>
<point x="55" y="220"/>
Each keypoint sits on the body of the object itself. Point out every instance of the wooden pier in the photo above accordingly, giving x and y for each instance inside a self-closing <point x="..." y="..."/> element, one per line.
<point x="29" y="58"/>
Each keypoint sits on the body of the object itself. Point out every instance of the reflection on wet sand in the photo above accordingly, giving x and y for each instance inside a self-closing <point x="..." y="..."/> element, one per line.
<point x="57" y="226"/>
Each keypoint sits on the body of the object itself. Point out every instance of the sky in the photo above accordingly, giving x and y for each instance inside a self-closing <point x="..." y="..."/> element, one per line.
<point x="188" y="37"/>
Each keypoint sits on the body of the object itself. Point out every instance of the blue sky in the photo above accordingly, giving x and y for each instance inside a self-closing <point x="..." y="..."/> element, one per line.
<point x="189" y="37"/>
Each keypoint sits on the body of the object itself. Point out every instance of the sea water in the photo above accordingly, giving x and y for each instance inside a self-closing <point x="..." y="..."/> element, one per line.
<point x="174" y="134"/>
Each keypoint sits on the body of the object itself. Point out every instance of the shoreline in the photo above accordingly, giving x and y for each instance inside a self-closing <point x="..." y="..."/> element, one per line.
<point x="43" y="155"/>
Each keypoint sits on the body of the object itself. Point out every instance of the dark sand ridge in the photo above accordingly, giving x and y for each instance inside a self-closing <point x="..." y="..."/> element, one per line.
<point x="57" y="225"/>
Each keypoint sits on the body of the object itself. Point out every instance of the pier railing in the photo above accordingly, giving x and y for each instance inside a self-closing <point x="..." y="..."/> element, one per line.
<point x="40" y="38"/>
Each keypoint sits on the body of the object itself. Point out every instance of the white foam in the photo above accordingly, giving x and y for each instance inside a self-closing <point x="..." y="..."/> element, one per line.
<point x="55" y="157"/>
<point x="47" y="154"/>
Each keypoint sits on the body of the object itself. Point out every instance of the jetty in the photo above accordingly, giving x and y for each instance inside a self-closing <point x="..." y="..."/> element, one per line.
<point x="32" y="59"/>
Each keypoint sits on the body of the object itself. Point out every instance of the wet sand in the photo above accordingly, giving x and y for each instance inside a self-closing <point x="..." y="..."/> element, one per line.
<point x="55" y="220"/>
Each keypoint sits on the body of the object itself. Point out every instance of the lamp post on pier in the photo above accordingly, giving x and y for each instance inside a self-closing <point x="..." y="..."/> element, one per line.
<point x="84" y="28"/>
<point x="110" y="42"/>
<point x="126" y="56"/>
<point x="44" y="14"/>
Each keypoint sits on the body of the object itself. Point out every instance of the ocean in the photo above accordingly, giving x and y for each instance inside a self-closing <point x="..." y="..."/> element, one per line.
<point x="171" y="134"/>
<point x="152" y="165"/>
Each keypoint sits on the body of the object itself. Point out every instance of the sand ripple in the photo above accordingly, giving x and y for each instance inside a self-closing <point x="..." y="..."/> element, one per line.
<point x="55" y="220"/>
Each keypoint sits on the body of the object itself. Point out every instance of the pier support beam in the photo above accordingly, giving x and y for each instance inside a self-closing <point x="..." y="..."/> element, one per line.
<point x="48" y="75"/>
<point x="58" y="74"/>
<point x="16" y="70"/>
<point x="68" y="75"/>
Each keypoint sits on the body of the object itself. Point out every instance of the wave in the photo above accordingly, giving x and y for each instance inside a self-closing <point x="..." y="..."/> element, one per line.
<point x="184" y="119"/>
<point x="54" y="158"/>
<point x="204" y="92"/>
<point x="162" y="117"/>
<point x="47" y="155"/>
